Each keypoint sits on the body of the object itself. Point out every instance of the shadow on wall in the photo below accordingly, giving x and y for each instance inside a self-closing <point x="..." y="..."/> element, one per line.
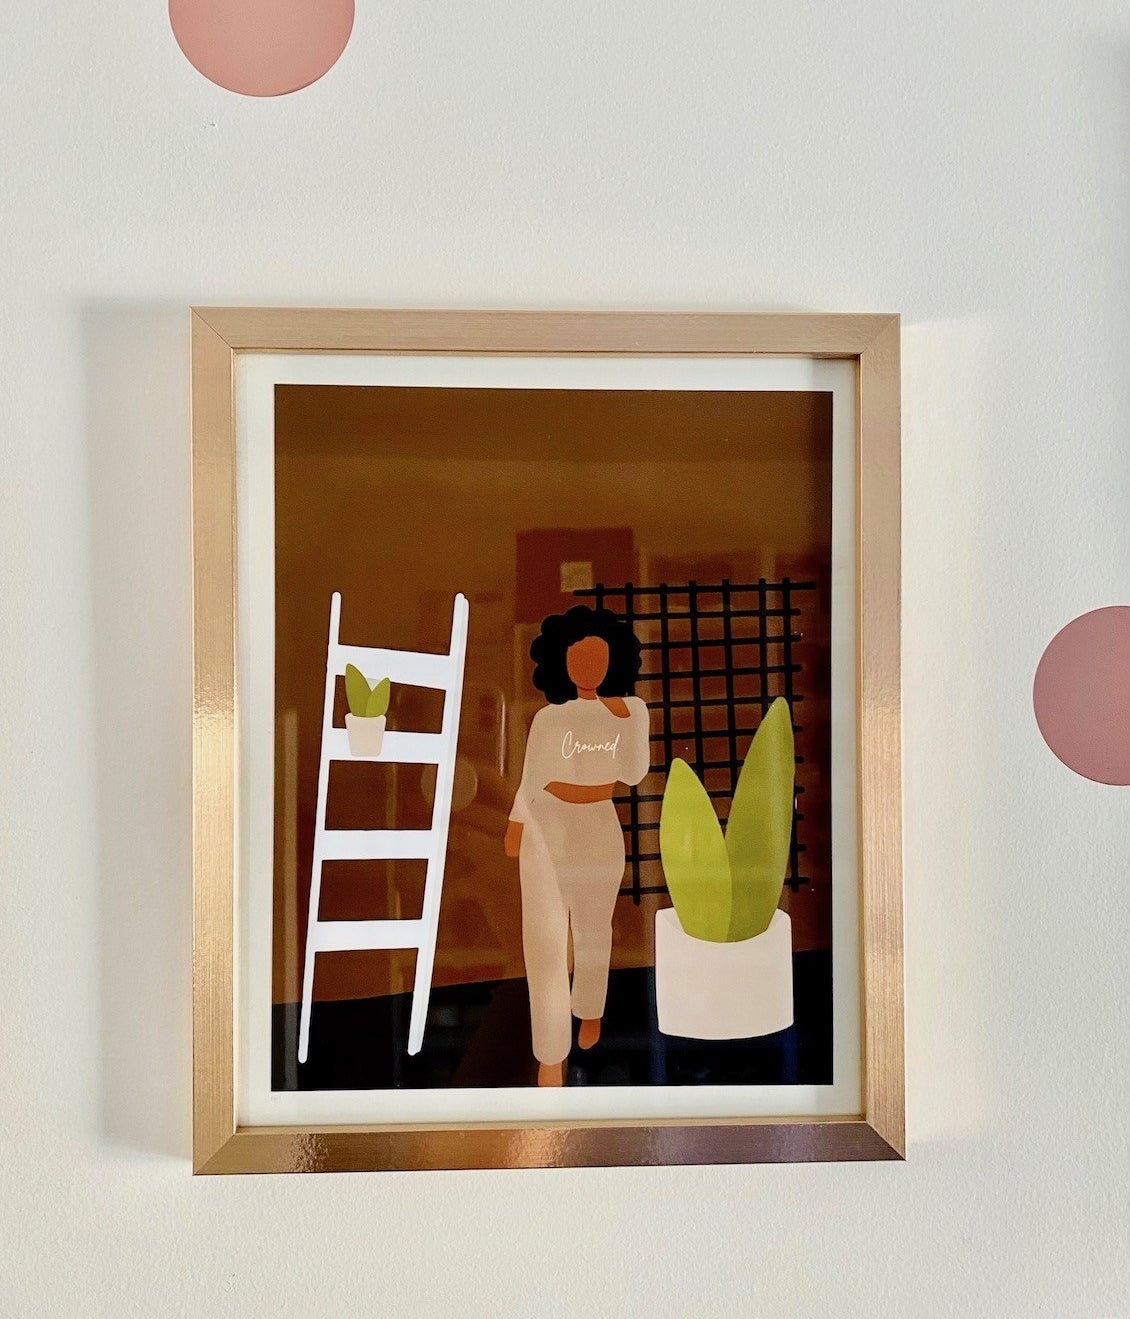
<point x="956" y="1080"/>
<point x="137" y="442"/>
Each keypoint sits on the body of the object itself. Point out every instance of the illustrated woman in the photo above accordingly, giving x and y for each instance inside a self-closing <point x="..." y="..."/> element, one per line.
<point x="563" y="827"/>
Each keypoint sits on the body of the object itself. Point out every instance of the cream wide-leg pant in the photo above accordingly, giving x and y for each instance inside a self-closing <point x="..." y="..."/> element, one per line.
<point x="571" y="863"/>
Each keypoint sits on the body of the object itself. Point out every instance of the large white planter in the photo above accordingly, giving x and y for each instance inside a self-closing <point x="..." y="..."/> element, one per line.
<point x="366" y="735"/>
<point x="723" y="991"/>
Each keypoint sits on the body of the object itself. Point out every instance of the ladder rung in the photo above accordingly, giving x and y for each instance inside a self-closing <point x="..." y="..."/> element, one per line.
<point x="409" y="667"/>
<point x="375" y="844"/>
<point x="396" y="749"/>
<point x="356" y="936"/>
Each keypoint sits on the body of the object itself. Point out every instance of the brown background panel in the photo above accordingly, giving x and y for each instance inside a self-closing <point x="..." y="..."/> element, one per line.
<point x="604" y="554"/>
<point x="398" y="498"/>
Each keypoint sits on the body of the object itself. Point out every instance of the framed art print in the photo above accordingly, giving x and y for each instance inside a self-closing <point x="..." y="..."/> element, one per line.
<point x="546" y="739"/>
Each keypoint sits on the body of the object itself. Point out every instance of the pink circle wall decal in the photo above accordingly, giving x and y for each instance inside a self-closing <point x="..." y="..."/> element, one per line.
<point x="262" y="47"/>
<point x="1082" y="695"/>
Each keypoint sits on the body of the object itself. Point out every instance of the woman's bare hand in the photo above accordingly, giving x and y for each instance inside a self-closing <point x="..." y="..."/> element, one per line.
<point x="513" y="840"/>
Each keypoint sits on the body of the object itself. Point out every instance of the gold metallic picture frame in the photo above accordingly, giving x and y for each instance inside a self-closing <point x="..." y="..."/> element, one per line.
<point x="871" y="343"/>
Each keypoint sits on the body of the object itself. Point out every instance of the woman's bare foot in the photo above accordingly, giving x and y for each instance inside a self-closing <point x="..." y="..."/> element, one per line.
<point x="551" y="1073"/>
<point x="589" y="1033"/>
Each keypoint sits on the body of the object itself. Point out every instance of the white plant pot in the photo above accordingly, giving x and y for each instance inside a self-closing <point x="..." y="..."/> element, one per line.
<point x="723" y="991"/>
<point x="366" y="735"/>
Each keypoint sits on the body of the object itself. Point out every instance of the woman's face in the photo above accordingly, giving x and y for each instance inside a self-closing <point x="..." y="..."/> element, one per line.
<point x="586" y="662"/>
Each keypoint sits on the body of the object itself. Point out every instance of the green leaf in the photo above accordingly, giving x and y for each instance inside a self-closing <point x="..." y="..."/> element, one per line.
<point x="694" y="856"/>
<point x="378" y="698"/>
<point x="759" y="830"/>
<point x="356" y="691"/>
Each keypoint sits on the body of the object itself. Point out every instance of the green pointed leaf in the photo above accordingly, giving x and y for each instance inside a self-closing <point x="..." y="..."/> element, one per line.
<point x="695" y="864"/>
<point x="378" y="698"/>
<point x="356" y="691"/>
<point x="759" y="830"/>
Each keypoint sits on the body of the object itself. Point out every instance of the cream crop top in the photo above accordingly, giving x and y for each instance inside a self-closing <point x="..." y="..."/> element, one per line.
<point x="583" y="742"/>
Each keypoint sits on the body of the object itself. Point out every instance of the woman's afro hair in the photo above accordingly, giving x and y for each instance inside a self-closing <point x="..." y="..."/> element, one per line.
<point x="560" y="631"/>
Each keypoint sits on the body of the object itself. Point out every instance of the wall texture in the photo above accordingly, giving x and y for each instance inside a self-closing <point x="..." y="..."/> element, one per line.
<point x="965" y="164"/>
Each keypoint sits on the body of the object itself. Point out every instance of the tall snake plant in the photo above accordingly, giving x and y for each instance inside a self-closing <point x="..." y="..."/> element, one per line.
<point x="726" y="887"/>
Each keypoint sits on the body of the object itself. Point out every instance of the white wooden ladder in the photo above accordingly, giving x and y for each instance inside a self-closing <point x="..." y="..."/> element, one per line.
<point x="416" y="669"/>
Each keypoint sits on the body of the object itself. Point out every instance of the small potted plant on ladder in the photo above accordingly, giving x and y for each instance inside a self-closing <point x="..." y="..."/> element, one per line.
<point x="723" y="952"/>
<point x="368" y="706"/>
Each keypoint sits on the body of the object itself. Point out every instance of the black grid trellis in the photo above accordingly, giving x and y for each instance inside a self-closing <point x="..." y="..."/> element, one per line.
<point x="750" y="627"/>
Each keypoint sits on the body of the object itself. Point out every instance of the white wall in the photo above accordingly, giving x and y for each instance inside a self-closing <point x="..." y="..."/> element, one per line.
<point x="963" y="163"/>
